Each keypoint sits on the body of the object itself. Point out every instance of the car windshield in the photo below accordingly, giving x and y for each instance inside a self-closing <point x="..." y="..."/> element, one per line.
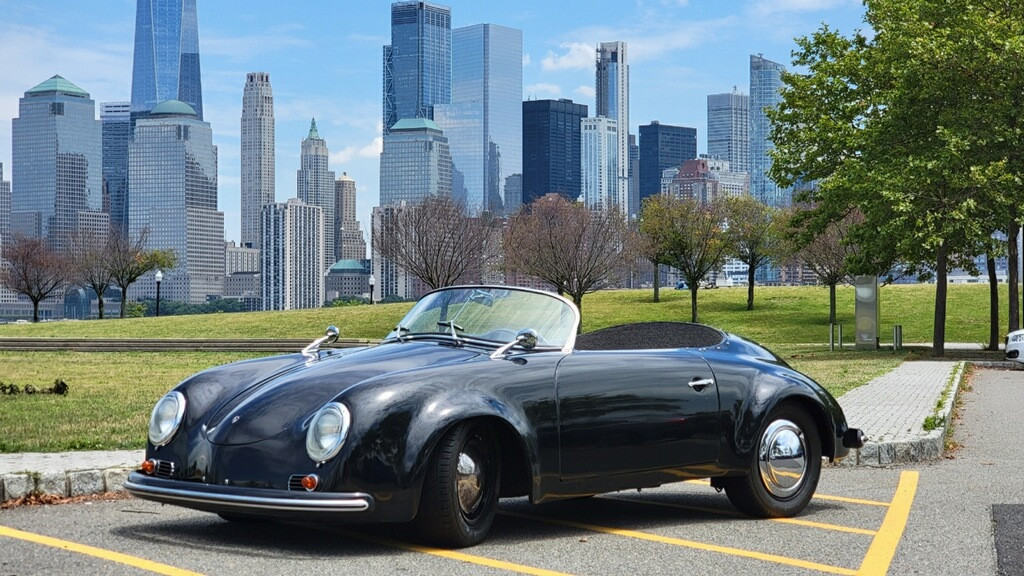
<point x="490" y="313"/>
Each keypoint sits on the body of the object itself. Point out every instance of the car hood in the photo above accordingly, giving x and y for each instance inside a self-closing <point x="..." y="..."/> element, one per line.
<point x="284" y="401"/>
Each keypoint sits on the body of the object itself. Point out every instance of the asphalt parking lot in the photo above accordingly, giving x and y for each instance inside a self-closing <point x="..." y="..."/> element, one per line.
<point x="666" y="531"/>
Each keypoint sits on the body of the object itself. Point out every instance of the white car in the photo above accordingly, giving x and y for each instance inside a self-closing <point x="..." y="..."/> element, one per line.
<point x="1015" y="346"/>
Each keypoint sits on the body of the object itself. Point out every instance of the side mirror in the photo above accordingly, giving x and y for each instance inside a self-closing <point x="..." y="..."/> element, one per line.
<point x="527" y="338"/>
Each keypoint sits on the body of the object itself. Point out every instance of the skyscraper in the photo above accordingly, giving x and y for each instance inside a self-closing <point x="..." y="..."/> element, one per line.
<point x="351" y="244"/>
<point x="292" y="256"/>
<point x="551" y="148"/>
<point x="729" y="129"/>
<point x="483" y="123"/>
<point x="613" y="102"/>
<point x="418" y="62"/>
<point x="5" y="211"/>
<point x="172" y="171"/>
<point x="115" y="118"/>
<point x="765" y="86"/>
<point x="166" y="65"/>
<point x="57" y="174"/>
<point x="415" y="163"/>
<point x="599" y="159"/>
<point x="315" y="186"/>
<point x="257" y="154"/>
<point x="663" y="146"/>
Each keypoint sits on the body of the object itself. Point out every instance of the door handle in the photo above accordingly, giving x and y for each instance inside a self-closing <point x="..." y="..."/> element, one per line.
<point x="699" y="384"/>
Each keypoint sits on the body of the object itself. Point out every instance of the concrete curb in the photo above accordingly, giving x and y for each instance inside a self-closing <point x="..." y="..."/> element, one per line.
<point x="63" y="484"/>
<point x="929" y="446"/>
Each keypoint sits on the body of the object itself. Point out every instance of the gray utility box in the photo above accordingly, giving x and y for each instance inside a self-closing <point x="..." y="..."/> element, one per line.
<point x="866" y="313"/>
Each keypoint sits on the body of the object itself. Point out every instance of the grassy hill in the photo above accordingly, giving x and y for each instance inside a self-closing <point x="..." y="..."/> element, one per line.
<point x="781" y="315"/>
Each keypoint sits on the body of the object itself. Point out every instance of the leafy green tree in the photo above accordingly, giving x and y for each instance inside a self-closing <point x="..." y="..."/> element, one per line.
<point x="889" y="126"/>
<point x="691" y="235"/>
<point x="754" y="235"/>
<point x="129" y="259"/>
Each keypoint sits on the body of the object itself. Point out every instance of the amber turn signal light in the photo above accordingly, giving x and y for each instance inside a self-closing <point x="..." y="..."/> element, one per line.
<point x="149" y="466"/>
<point x="310" y="482"/>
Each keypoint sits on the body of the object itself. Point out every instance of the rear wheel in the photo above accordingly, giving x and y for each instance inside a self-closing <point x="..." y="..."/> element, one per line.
<point x="784" y="467"/>
<point x="460" y="492"/>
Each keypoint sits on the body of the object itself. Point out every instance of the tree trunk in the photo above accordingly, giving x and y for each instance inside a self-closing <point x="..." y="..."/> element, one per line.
<point x="1013" y="273"/>
<point x="832" y="303"/>
<point x="577" y="299"/>
<point x="657" y="280"/>
<point x="99" y="305"/>
<point x="941" y="288"/>
<point x="35" y="311"/>
<point x="750" y="288"/>
<point x="124" y="299"/>
<point x="693" y="303"/>
<point x="993" y="304"/>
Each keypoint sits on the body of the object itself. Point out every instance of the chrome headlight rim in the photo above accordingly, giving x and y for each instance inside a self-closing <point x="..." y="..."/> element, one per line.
<point x="1015" y="337"/>
<point x="161" y="432"/>
<point x="328" y="430"/>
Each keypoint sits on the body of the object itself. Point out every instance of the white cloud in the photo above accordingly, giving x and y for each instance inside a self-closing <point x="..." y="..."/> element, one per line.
<point x="578" y="55"/>
<point x="542" y="89"/>
<point x="371" y="150"/>
<point x="585" y="90"/>
<point x="526" y="59"/>
<point x="767" y="8"/>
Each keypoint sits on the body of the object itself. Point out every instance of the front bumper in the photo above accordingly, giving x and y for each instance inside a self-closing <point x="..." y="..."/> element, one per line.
<point x="1015" y="346"/>
<point x="250" y="501"/>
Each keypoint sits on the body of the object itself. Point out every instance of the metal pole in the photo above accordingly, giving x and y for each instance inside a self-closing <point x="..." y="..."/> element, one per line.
<point x="840" y="336"/>
<point x="831" y="337"/>
<point x="157" y="298"/>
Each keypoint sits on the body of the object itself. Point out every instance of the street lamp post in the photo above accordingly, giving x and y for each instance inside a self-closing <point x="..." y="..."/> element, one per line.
<point x="159" y="276"/>
<point x="372" y="281"/>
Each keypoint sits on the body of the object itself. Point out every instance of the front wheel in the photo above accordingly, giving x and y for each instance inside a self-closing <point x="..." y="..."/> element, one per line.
<point x="784" y="468"/>
<point x="460" y="492"/>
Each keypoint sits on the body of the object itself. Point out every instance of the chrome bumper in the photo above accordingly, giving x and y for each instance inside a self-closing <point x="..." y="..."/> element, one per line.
<point x="252" y="500"/>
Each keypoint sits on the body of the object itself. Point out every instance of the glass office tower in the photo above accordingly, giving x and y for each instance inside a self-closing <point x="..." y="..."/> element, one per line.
<point x="415" y="163"/>
<point x="418" y="62"/>
<point x="483" y="123"/>
<point x="765" y="87"/>
<point x="115" y="118"/>
<point x="663" y="146"/>
<point x="166" y="63"/>
<point x="57" y="149"/>
<point x="551" y="148"/>
<point x="729" y="129"/>
<point x="612" y="99"/>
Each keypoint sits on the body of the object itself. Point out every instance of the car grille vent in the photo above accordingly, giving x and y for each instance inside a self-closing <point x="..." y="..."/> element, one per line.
<point x="164" y="469"/>
<point x="295" y="482"/>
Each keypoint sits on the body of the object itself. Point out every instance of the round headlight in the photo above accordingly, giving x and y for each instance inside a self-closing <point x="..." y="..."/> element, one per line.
<point x="166" y="418"/>
<point x="327" y="432"/>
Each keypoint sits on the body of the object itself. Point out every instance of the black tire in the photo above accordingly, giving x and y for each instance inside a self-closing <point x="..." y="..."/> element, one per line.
<point x="456" y="518"/>
<point x="771" y="488"/>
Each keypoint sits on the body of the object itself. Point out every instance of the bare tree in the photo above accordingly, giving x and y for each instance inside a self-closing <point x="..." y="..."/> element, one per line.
<point x="33" y="269"/>
<point x="828" y="254"/>
<point x="574" y="249"/>
<point x="128" y="260"/>
<point x="693" y="237"/>
<point x="438" y="243"/>
<point x="89" y="256"/>
<point x="753" y="234"/>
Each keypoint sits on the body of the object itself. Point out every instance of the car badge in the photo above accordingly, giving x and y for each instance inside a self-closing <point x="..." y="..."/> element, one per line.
<point x="236" y="419"/>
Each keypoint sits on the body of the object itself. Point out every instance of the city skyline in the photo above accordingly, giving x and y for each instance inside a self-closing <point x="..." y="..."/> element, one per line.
<point x="679" y="53"/>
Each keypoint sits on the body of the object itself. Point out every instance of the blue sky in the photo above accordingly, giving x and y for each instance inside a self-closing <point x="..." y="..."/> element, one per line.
<point x="324" y="60"/>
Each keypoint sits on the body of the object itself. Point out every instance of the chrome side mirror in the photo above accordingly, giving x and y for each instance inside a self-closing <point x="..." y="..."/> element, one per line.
<point x="330" y="337"/>
<point x="526" y="339"/>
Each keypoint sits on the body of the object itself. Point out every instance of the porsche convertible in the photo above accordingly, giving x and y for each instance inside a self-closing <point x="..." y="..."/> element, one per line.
<point x="488" y="392"/>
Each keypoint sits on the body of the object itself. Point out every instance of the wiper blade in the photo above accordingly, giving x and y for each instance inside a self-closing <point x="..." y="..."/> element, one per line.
<point x="452" y="326"/>
<point x="398" y="332"/>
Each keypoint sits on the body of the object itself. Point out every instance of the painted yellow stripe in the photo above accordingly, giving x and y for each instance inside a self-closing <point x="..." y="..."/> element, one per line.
<point x="853" y="500"/>
<point x="883" y="547"/>
<point x="460" y="556"/>
<point x="794" y="521"/>
<point x="691" y="544"/>
<point x="96" y="552"/>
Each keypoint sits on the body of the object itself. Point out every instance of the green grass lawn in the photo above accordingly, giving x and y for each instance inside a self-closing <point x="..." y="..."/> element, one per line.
<point x="112" y="394"/>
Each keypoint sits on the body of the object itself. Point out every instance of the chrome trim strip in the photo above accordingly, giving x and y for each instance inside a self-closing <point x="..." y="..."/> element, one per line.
<point x="353" y="502"/>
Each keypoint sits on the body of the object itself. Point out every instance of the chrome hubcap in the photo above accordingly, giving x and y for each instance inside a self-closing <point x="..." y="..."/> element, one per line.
<point x="469" y="482"/>
<point x="782" y="458"/>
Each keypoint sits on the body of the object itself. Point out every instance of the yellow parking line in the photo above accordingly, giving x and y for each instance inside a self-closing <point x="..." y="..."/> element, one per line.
<point x="96" y="552"/>
<point x="883" y="547"/>
<point x="460" y="556"/>
<point x="853" y="500"/>
<point x="691" y="544"/>
<point x="794" y="521"/>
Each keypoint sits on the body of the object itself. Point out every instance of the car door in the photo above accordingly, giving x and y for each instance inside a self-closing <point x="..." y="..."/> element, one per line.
<point x="634" y="410"/>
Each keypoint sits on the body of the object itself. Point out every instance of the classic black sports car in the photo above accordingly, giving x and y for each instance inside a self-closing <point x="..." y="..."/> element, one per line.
<point x="483" y="392"/>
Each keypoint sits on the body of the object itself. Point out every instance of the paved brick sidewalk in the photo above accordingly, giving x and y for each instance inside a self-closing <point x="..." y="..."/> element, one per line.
<point x="892" y="408"/>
